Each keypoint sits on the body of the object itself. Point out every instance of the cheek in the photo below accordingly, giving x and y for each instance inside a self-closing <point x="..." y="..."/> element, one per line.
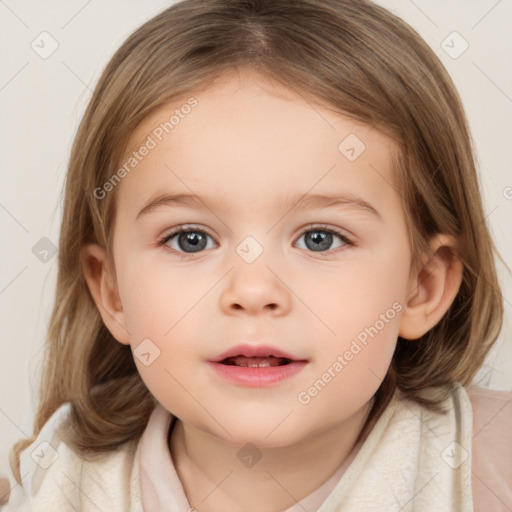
<point x="364" y="311"/>
<point x="161" y="305"/>
<point x="356" y="296"/>
<point x="157" y="297"/>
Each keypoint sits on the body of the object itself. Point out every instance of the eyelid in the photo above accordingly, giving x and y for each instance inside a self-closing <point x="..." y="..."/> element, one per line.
<point x="324" y="227"/>
<point x="182" y="228"/>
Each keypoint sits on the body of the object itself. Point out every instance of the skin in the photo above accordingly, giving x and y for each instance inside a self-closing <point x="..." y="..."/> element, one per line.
<point x="246" y="147"/>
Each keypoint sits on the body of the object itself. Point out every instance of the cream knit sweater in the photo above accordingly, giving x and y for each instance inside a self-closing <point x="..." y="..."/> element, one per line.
<point x="412" y="461"/>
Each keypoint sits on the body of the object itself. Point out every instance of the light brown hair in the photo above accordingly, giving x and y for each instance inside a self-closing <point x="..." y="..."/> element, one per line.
<point x="351" y="55"/>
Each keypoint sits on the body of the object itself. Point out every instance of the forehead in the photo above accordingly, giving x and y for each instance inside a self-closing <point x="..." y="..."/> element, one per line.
<point x="247" y="134"/>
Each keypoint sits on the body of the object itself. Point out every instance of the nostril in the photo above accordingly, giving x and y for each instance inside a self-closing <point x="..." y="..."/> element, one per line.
<point x="273" y="306"/>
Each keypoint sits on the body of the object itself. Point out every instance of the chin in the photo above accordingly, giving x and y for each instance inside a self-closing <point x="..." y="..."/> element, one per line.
<point x="262" y="431"/>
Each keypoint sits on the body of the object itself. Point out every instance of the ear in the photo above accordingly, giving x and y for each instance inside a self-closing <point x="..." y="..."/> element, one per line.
<point x="432" y="288"/>
<point x="103" y="288"/>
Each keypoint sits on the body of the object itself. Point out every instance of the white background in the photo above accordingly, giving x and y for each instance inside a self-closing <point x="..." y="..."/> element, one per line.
<point x="42" y="100"/>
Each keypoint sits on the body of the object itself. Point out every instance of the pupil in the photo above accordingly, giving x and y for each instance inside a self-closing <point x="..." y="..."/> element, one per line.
<point x="193" y="241"/>
<point x="191" y="238"/>
<point x="321" y="240"/>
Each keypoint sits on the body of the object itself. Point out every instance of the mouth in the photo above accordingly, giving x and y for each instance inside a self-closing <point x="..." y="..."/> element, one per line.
<point x="256" y="366"/>
<point x="256" y="362"/>
<point x="255" y="356"/>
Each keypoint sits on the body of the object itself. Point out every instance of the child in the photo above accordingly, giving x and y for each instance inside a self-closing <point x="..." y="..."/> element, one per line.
<point x="314" y="347"/>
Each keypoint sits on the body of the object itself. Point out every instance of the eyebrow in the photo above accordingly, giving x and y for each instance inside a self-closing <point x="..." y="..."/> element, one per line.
<point x="289" y="202"/>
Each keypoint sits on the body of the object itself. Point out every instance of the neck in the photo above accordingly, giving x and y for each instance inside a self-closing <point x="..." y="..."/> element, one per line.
<point x="215" y="478"/>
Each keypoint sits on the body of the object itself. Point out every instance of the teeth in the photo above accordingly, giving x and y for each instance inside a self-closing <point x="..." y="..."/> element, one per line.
<point x="262" y="364"/>
<point x="256" y="362"/>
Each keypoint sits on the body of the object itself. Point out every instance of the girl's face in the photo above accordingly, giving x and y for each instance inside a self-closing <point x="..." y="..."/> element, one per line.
<point x="267" y="264"/>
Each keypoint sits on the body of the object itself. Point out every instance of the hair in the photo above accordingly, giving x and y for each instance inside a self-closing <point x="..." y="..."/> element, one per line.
<point x="352" y="56"/>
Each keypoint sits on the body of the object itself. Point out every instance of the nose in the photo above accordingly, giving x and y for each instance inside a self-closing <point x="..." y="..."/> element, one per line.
<point x="254" y="288"/>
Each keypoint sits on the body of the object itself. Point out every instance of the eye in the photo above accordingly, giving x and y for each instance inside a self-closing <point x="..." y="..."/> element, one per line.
<point x="320" y="238"/>
<point x="188" y="240"/>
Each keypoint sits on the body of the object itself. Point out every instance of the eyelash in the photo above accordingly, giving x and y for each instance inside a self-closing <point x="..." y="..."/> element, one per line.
<point x="313" y="227"/>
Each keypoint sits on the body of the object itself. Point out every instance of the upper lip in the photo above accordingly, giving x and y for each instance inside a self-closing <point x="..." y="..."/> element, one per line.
<point x="254" y="351"/>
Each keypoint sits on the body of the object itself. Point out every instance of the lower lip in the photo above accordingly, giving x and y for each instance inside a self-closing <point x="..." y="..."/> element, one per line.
<point x="258" y="377"/>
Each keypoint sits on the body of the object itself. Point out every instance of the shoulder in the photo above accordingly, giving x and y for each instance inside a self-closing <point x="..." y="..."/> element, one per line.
<point x="491" y="448"/>
<point x="492" y="412"/>
<point x="55" y="477"/>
